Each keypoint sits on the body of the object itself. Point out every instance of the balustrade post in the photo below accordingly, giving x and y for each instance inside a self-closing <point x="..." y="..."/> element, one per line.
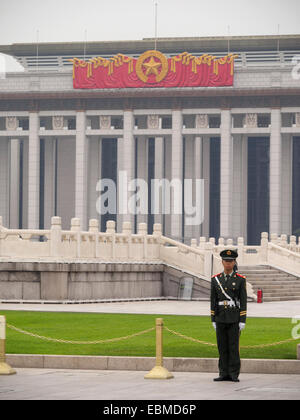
<point x="55" y="237"/>
<point x="208" y="259"/>
<point x="240" y="245"/>
<point x="111" y="228"/>
<point x="142" y="230"/>
<point x="94" y="228"/>
<point x="264" y="247"/>
<point x="75" y="227"/>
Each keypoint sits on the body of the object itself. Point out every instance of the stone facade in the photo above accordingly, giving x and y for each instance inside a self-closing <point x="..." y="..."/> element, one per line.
<point x="65" y="131"/>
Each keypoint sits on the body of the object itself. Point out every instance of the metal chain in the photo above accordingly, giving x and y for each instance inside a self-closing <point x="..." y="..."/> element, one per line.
<point x="57" y="340"/>
<point x="242" y="347"/>
<point x="188" y="338"/>
<point x="109" y="340"/>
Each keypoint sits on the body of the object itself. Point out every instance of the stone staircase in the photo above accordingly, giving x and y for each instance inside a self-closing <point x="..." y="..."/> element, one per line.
<point x="276" y="285"/>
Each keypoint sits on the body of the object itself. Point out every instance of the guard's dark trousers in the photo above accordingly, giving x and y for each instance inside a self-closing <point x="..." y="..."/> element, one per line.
<point x="228" y="344"/>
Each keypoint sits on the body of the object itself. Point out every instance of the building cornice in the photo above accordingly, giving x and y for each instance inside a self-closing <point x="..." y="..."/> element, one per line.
<point x="151" y="93"/>
<point x="166" y="45"/>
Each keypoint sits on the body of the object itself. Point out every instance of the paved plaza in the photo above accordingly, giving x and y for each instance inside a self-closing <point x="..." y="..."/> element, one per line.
<point x="63" y="384"/>
<point x="282" y="309"/>
<point x="57" y="384"/>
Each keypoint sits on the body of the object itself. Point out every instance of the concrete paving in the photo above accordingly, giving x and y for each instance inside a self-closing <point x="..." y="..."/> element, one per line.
<point x="77" y="384"/>
<point x="59" y="384"/>
<point x="282" y="309"/>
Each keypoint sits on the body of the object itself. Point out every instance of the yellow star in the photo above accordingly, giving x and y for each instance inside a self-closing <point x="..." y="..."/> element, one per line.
<point x="152" y="66"/>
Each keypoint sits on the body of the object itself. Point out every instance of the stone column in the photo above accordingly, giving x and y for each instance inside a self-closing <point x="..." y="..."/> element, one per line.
<point x="49" y="181"/>
<point x="81" y="170"/>
<point x="189" y="175"/>
<point x="275" y="172"/>
<point x="176" y="174"/>
<point x="14" y="184"/>
<point x="206" y="177"/>
<point x="198" y="174"/>
<point x="159" y="175"/>
<point x="239" y="193"/>
<point x="4" y="180"/>
<point x="286" y="184"/>
<point x="119" y="195"/>
<point x="33" y="171"/>
<point x="127" y="165"/>
<point x="142" y="173"/>
<point x="226" y="175"/>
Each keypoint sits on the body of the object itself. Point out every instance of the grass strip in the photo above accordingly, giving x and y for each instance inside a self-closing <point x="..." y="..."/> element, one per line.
<point x="98" y="326"/>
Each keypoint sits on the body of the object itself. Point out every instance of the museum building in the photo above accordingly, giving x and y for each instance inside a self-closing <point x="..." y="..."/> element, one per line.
<point x="223" y="110"/>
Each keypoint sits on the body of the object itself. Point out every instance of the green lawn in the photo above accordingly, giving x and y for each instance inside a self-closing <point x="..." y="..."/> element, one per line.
<point x="90" y="326"/>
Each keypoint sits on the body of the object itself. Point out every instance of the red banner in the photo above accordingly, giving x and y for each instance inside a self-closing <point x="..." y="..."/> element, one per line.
<point x="153" y="69"/>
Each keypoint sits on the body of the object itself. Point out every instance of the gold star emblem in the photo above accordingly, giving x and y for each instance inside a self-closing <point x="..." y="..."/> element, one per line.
<point x="145" y="68"/>
<point x="152" y="66"/>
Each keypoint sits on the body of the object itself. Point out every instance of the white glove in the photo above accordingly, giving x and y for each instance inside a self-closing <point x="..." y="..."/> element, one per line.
<point x="214" y="325"/>
<point x="242" y="325"/>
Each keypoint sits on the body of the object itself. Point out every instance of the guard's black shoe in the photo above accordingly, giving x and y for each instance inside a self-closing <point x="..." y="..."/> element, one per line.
<point x="234" y="379"/>
<point x="222" y="378"/>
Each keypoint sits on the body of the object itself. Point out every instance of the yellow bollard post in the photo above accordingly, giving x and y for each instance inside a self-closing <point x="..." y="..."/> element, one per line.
<point x="5" y="369"/>
<point x="159" y="372"/>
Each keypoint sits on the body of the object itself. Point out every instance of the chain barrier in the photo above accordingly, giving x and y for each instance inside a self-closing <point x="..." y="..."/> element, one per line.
<point x="213" y="344"/>
<point x="58" y="340"/>
<point x="109" y="340"/>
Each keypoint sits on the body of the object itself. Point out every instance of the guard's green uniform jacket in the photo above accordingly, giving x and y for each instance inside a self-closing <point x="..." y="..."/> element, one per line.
<point x="235" y="287"/>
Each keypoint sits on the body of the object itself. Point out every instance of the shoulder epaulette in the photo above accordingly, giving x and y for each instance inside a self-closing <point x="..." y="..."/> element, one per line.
<point x="216" y="275"/>
<point x="240" y="275"/>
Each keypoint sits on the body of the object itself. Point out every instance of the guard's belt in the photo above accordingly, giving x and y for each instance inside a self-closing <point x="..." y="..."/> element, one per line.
<point x="227" y="303"/>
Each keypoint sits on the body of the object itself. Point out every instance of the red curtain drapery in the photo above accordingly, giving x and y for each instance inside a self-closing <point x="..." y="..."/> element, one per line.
<point x="153" y="69"/>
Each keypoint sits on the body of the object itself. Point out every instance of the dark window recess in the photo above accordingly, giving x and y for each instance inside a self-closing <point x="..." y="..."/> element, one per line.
<point x="296" y="187"/>
<point x="258" y="188"/>
<point x="166" y="122"/>
<point x="24" y="123"/>
<point x="117" y="123"/>
<point x="214" y="122"/>
<point x="151" y="160"/>
<point x="263" y="121"/>
<point x="109" y="170"/>
<point x="71" y="124"/>
<point x="214" y="188"/>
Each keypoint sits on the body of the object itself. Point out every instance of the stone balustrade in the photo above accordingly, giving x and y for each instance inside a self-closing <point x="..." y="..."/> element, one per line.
<point x="201" y="258"/>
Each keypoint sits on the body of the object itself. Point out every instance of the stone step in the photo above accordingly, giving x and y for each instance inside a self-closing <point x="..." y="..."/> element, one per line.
<point x="277" y="299"/>
<point x="278" y="284"/>
<point x="280" y="293"/>
<point x="271" y="290"/>
<point x="275" y="284"/>
<point x="270" y="275"/>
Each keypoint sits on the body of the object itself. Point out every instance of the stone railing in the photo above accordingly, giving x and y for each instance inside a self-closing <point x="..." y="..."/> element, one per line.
<point x="201" y="259"/>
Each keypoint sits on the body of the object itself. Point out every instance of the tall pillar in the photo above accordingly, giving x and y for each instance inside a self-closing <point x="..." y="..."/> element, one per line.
<point x="206" y="177"/>
<point x="142" y="173"/>
<point x="120" y="151"/>
<point x="4" y="180"/>
<point x="14" y="184"/>
<point x="286" y="184"/>
<point x="275" y="172"/>
<point x="198" y="174"/>
<point x="81" y="170"/>
<point x="33" y="171"/>
<point x="94" y="174"/>
<point x="189" y="170"/>
<point x="226" y="175"/>
<point x="239" y="194"/>
<point x="127" y="165"/>
<point x="49" y="181"/>
<point x="159" y="175"/>
<point x="176" y="175"/>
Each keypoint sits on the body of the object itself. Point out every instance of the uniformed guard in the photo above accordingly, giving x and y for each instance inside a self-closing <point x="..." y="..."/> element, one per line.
<point x="228" y="314"/>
